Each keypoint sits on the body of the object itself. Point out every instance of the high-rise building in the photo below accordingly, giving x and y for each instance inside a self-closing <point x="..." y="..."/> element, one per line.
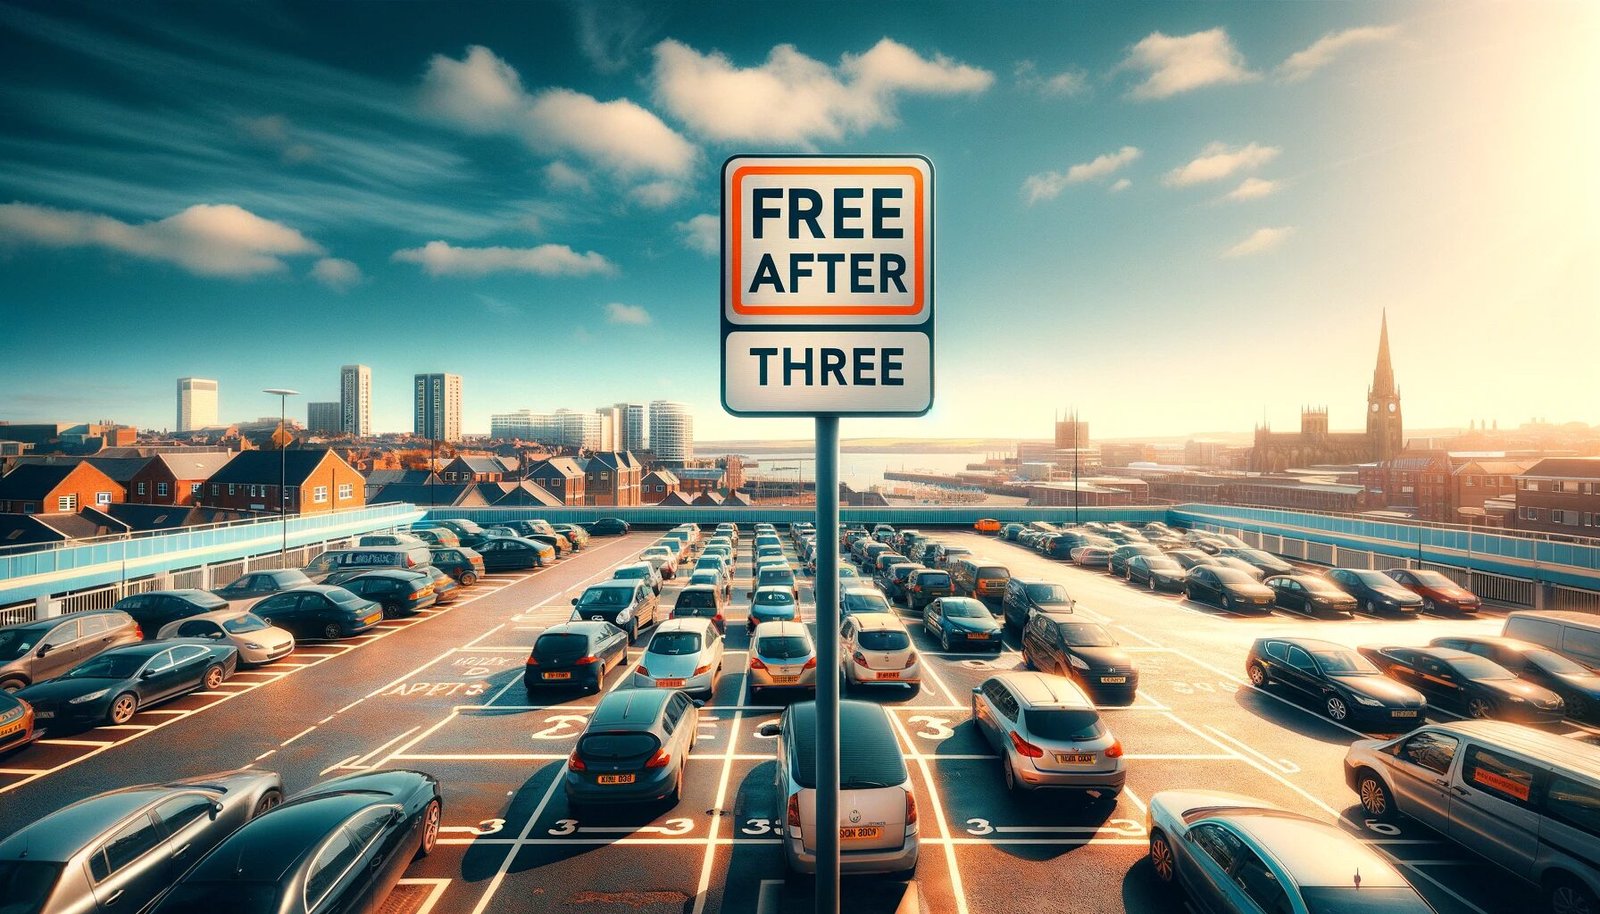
<point x="610" y="428"/>
<point x="671" y="432"/>
<point x="355" y="400"/>
<point x="197" y="403"/>
<point x="578" y="429"/>
<point x="436" y="406"/>
<point x="324" y="418"/>
<point x="524" y="424"/>
<point x="635" y="427"/>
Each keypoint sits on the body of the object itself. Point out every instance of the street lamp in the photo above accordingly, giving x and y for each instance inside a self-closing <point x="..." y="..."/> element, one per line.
<point x="283" y="394"/>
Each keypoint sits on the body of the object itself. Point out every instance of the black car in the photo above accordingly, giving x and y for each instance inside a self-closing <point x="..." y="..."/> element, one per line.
<point x="1578" y="686"/>
<point x="512" y="553"/>
<point x="1375" y="592"/>
<point x="1228" y="588"/>
<point x="1467" y="684"/>
<point x="399" y="592"/>
<point x="926" y="585"/>
<point x="1118" y="564"/>
<point x="340" y="846"/>
<point x="118" y="850"/>
<point x="1084" y="652"/>
<point x="460" y="562"/>
<point x="113" y="686"/>
<point x="1260" y="558"/>
<point x="633" y="750"/>
<point x="1188" y="558"/>
<point x="158" y="607"/>
<point x="895" y="578"/>
<point x="1309" y="594"/>
<point x="1157" y="572"/>
<point x="629" y="605"/>
<point x="1345" y="685"/>
<point x="575" y="654"/>
<point x="320" y="611"/>
<point x="1024" y="598"/>
<point x="963" y="621"/>
<point x="608" y="526"/>
<point x="261" y="583"/>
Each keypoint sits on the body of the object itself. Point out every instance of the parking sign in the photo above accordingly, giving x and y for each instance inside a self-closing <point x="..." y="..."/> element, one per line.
<point x="827" y="289"/>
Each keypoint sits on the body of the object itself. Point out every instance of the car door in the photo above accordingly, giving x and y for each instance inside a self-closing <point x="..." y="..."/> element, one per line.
<point x="127" y="870"/>
<point x="282" y="610"/>
<point x="334" y="882"/>
<point x="159" y="677"/>
<point x="58" y="651"/>
<point x="190" y="825"/>
<point x="1300" y="671"/>
<point x="931" y="616"/>
<point x="1030" y="641"/>
<point x="1420" y="776"/>
<point x="378" y="838"/>
<point x="1440" y="683"/>
<point x="199" y="628"/>
<point x="984" y="710"/>
<point x="1492" y="807"/>
<point x="1291" y="595"/>
<point x="1208" y="857"/>
<point x="189" y="662"/>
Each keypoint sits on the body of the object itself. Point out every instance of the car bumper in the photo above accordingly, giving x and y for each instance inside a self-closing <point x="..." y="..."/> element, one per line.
<point x="1531" y="715"/>
<point x="655" y="784"/>
<point x="265" y="655"/>
<point x="907" y="677"/>
<point x="1031" y="778"/>
<point x="891" y="860"/>
<point x="586" y="676"/>
<point x="701" y="684"/>
<point x="765" y="679"/>
<point x="1385" y="720"/>
<point x="13" y="741"/>
<point x="1095" y="683"/>
<point x="994" y="642"/>
<point x="66" y="715"/>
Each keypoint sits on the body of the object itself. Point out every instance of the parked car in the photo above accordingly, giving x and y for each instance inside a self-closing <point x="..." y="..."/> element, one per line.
<point x="1232" y="853"/>
<point x="1024" y="597"/>
<point x="578" y="654"/>
<point x="1518" y="797"/>
<point x="461" y="527"/>
<point x="43" y="649"/>
<point x="556" y="541"/>
<point x="366" y="558"/>
<point x="1467" y="684"/>
<point x="1578" y="686"/>
<point x="391" y="539"/>
<point x="514" y="553"/>
<point x="1085" y="652"/>
<point x="629" y="605"/>
<point x="772" y="604"/>
<point x="399" y="592"/>
<point x="575" y="535"/>
<point x="1262" y="560"/>
<point x="445" y="588"/>
<point x="663" y="560"/>
<point x="963" y="621"/>
<point x="987" y="525"/>
<point x="875" y="649"/>
<point x="340" y="846"/>
<point x="861" y="599"/>
<point x="256" y="641"/>
<point x="1189" y="558"/>
<point x="702" y="601"/>
<point x="1091" y="556"/>
<point x="1227" y="561"/>
<point x="1573" y="635"/>
<point x="1344" y="685"/>
<point x="782" y="656"/>
<point x="979" y="578"/>
<point x="114" y="685"/>
<point x="1375" y="592"/>
<point x="776" y="576"/>
<point x="609" y="526"/>
<point x="880" y="568"/>
<point x="17" y="725"/>
<point x="156" y="608"/>
<point x="1437" y="591"/>
<point x="437" y="536"/>
<point x="258" y="584"/>
<point x="1048" y="735"/>
<point x="1309" y="594"/>
<point x="320" y="611"/>
<point x="460" y="562"/>
<point x="1228" y="588"/>
<point x="118" y="850"/>
<point x="878" y="827"/>
<point x="926" y="585"/>
<point x="682" y="654"/>
<point x="639" y="571"/>
<point x="1117" y="564"/>
<point x="1158" y="572"/>
<point x="633" y="749"/>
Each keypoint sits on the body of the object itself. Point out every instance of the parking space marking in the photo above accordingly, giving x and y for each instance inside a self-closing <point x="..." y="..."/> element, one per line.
<point x="956" y="886"/>
<point x="436" y="892"/>
<point x="1116" y="828"/>
<point x="706" y="864"/>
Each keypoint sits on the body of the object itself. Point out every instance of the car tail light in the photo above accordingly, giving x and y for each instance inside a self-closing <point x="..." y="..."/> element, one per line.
<point x="574" y="763"/>
<point x="859" y="658"/>
<point x="702" y="670"/>
<point x="794" y="810"/>
<point x="643" y="670"/>
<point x="911" y="658"/>
<point x="659" y="760"/>
<point x="419" y="594"/>
<point x="533" y="661"/>
<point x="1116" y="749"/>
<point x="138" y="632"/>
<point x="756" y="663"/>
<point x="410" y="562"/>
<point x="911" y="808"/>
<point x="1025" y="747"/>
<point x="718" y="621"/>
<point x="582" y="661"/>
<point x="810" y="664"/>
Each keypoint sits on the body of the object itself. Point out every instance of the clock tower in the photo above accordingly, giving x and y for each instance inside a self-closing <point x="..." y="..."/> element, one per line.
<point x="1383" y="404"/>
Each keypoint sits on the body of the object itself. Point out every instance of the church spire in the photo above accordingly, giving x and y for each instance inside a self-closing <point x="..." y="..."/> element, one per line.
<point x="1383" y="374"/>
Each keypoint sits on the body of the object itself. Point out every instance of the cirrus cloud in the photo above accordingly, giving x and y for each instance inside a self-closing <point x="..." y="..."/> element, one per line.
<point x="1262" y="239"/>
<point x="1252" y="189"/>
<point x="1173" y="64"/>
<point x="1322" y="52"/>
<point x="440" y="258"/>
<point x="1218" y="161"/>
<point x="1049" y="184"/>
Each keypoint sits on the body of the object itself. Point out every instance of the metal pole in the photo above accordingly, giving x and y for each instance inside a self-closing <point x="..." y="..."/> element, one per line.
<point x="827" y="587"/>
<point x="283" y="456"/>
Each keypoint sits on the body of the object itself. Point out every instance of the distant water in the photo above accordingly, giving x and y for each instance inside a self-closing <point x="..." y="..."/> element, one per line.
<point x="861" y="471"/>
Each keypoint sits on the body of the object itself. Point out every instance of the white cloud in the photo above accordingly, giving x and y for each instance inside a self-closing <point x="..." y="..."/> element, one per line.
<point x="1120" y="185"/>
<point x="1252" y="189"/>
<point x="658" y="194"/>
<point x="1301" y="64"/>
<point x="795" y="99"/>
<point x="1262" y="239"/>
<point x="1179" y="63"/>
<point x="633" y="315"/>
<point x="205" y="239"/>
<point x="273" y="130"/>
<point x="609" y="34"/>
<point x="559" y="176"/>
<point x="336" y="273"/>
<point x="703" y="233"/>
<point x="1047" y="185"/>
<point x="1066" y="84"/>
<point x="1218" y="161"/>
<point x="483" y="94"/>
<point x="440" y="258"/>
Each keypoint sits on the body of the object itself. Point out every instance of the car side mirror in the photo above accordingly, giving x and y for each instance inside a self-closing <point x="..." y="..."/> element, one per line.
<point x="146" y="674"/>
<point x="216" y="810"/>
<point x="768" y="730"/>
<point x="749" y="593"/>
<point x="977" y="690"/>
<point x="44" y="649"/>
<point x="574" y="601"/>
<point x="698" y="702"/>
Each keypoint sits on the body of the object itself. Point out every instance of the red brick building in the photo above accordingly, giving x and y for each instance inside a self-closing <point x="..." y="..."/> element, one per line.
<point x="657" y="485"/>
<point x="612" y="478"/>
<point x="1476" y="482"/>
<point x="57" y="489"/>
<point x="1418" y="480"/>
<point x="1560" y="495"/>
<point x="561" y="477"/>
<point x="316" y="481"/>
<point x="174" y="478"/>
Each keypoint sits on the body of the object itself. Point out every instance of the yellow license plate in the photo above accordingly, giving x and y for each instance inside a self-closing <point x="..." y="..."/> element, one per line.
<point x="1075" y="758"/>
<point x="373" y="619"/>
<point x="1402" y="714"/>
<point x="669" y="683"/>
<point x="558" y="675"/>
<point x="860" y="832"/>
<point x="1113" y="680"/>
<point x="889" y="675"/>
<point x="10" y="729"/>
<point x="785" y="680"/>
<point x="615" y="779"/>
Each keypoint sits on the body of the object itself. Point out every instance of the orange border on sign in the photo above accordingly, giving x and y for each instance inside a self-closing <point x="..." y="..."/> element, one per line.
<point x="918" y="230"/>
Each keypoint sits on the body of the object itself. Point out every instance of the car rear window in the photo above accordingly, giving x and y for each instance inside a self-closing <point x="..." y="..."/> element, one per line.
<point x="673" y="644"/>
<point x="933" y="579"/>
<point x="869" y="758"/>
<point x="883" y="640"/>
<point x="631" y="572"/>
<point x="25" y="884"/>
<point x="994" y="573"/>
<point x="783" y="647"/>
<point x="617" y="745"/>
<point x="561" y="644"/>
<point x="692" y="599"/>
<point x="1059" y="723"/>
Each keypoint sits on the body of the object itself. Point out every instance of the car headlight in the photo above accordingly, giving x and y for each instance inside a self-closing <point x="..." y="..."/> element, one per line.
<point x="1517" y="699"/>
<point x="89" y="697"/>
<point x="254" y="646"/>
<point x="1364" y="700"/>
<point x="1078" y="663"/>
<point x="625" y="615"/>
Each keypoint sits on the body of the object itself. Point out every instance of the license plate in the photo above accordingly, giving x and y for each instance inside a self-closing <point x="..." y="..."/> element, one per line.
<point x="615" y="779"/>
<point x="10" y="729"/>
<point x="1402" y="714"/>
<point x="860" y="832"/>
<point x="558" y="675"/>
<point x="1075" y="758"/>
<point x="785" y="680"/>
<point x="889" y="675"/>
<point x="1109" y="680"/>
<point x="44" y="715"/>
<point x="669" y="684"/>
<point x="373" y="619"/>
<point x="977" y="636"/>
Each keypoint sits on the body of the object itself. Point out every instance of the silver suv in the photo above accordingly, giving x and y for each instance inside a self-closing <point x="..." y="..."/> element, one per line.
<point x="44" y="649"/>
<point x="1048" y="734"/>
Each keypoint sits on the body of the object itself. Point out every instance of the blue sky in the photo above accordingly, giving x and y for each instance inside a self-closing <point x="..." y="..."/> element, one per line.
<point x="1180" y="217"/>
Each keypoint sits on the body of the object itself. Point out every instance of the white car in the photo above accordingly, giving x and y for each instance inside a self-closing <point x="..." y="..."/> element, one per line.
<point x="875" y="650"/>
<point x="683" y="654"/>
<point x="258" y="641"/>
<point x="782" y="656"/>
<point x="644" y="571"/>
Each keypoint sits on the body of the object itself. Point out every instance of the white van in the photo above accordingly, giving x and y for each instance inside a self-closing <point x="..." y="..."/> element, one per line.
<point x="367" y="557"/>
<point x="1573" y="635"/>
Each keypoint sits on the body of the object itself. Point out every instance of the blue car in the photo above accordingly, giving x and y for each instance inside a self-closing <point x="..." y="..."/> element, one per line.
<point x="774" y="603"/>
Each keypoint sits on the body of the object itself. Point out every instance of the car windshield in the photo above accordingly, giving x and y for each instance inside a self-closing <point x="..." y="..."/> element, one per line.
<point x="606" y="596"/>
<point x="249" y="622"/>
<point x="617" y="745"/>
<point x="1087" y="634"/>
<point x="1552" y="662"/>
<point x="631" y="571"/>
<point x="1048" y="593"/>
<point x="937" y="579"/>
<point x="703" y="577"/>
<point x="774" y="598"/>
<point x="25" y="885"/>
<point x="1345" y="663"/>
<point x="960" y="609"/>
<point x="883" y="640"/>
<point x="1229" y="575"/>
<point x="774" y="576"/>
<point x="1342" y="899"/>
<point x="783" y="647"/>
<point x="1064" y="724"/>
<point x="1374" y="579"/>
<point x="866" y="601"/>
<point x="1434" y="579"/>
<point x="15" y="643"/>
<point x="561" y="644"/>
<point x="1480" y="669"/>
<point x="109" y="666"/>
<point x="673" y="644"/>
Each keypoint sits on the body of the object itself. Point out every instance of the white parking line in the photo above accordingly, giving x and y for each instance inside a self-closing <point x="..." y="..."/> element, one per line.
<point x="702" y="892"/>
<point x="956" y="886"/>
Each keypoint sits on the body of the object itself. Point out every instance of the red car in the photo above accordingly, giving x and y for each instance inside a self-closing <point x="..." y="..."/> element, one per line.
<point x="1437" y="591"/>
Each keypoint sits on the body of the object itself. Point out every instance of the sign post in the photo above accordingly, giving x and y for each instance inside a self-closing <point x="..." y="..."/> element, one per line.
<point x="827" y="311"/>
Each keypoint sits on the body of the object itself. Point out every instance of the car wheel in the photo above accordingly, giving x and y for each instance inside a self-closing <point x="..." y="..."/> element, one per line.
<point x="1376" y="800"/>
<point x="12" y="685"/>
<point x="1428" y="606"/>
<point x="916" y="689"/>
<point x="1257" y="674"/>
<point x="1480" y="708"/>
<point x="214" y="677"/>
<point x="1162" y="860"/>
<point x="633" y="631"/>
<point x="677" y="789"/>
<point x="1336" y="708"/>
<point x="123" y="707"/>
<point x="430" y="829"/>
<point x="332" y="631"/>
<point x="1577" y="706"/>
<point x="600" y="680"/>
<point x="944" y="641"/>
<point x="468" y="579"/>
<point x="1007" y="774"/>
<point x="1566" y="895"/>
<point x="1227" y="602"/>
<point x="1152" y="584"/>
<point x="1372" y="608"/>
<point x="268" y="801"/>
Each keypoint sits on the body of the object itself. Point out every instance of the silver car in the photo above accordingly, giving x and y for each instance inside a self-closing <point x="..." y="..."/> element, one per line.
<point x="875" y="649"/>
<point x="1048" y="735"/>
<point x="258" y="641"/>
<point x="782" y="656"/>
<point x="1237" y="854"/>
<point x="683" y="654"/>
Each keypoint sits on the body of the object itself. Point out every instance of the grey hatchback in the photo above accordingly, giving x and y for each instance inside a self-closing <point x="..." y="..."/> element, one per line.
<point x="44" y="649"/>
<point x="633" y="749"/>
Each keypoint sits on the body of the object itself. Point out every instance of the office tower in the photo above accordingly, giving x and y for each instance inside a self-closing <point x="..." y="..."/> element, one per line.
<point x="610" y="428"/>
<point x="437" y="406"/>
<point x="324" y="418"/>
<point x="355" y="400"/>
<point x="671" y="431"/>
<point x="635" y="427"/>
<point x="197" y="403"/>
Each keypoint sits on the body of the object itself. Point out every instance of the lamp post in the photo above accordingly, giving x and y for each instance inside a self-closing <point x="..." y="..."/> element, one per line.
<point x="283" y="394"/>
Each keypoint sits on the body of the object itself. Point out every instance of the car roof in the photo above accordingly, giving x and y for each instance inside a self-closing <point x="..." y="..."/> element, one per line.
<point x="57" y="620"/>
<point x="872" y="753"/>
<point x="268" y="847"/>
<point x="630" y="709"/>
<point x="699" y="588"/>
<point x="696" y="624"/>
<point x="774" y="588"/>
<point x="781" y="627"/>
<point x="576" y="627"/>
<point x="1302" y="847"/>
<point x="1512" y="644"/>
<point x="1308" y="644"/>
<point x="56" y="837"/>
<point x="1039" y="690"/>
<point x="1548" y="748"/>
<point x="215" y="615"/>
<point x="878" y="621"/>
<point x="630" y="584"/>
<point x="404" y="574"/>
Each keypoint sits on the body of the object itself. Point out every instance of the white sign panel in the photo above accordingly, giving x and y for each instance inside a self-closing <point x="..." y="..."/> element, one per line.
<point x="827" y="299"/>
